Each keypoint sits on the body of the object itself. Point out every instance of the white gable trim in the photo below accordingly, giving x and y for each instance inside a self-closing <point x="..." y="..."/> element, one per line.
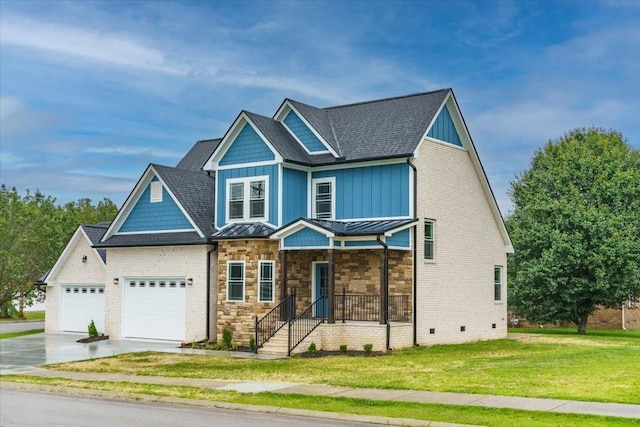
<point x="68" y="250"/>
<point x="467" y="142"/>
<point x="297" y="226"/>
<point x="282" y="113"/>
<point x="133" y="198"/>
<point x="227" y="141"/>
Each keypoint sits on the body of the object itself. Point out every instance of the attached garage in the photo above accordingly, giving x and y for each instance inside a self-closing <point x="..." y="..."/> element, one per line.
<point x="154" y="308"/>
<point x="79" y="305"/>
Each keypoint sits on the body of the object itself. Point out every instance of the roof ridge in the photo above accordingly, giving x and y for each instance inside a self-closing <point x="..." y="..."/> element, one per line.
<point x="385" y="99"/>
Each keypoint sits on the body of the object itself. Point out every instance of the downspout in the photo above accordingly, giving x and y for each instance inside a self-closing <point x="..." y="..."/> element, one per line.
<point x="215" y="247"/>
<point x="385" y="289"/>
<point x="415" y="247"/>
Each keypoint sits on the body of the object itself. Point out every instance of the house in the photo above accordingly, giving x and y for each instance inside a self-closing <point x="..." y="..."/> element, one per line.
<point x="363" y="223"/>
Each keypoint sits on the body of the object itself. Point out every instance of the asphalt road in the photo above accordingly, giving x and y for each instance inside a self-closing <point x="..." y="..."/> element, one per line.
<point x="26" y="408"/>
<point x="20" y="326"/>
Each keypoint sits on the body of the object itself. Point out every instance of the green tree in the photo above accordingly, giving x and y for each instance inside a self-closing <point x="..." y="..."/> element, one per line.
<point x="576" y="228"/>
<point x="33" y="234"/>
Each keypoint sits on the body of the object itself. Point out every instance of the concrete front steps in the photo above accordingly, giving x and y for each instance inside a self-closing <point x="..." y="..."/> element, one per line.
<point x="279" y="343"/>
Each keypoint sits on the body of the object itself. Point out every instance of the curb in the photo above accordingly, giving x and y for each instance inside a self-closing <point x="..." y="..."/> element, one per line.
<point x="338" y="416"/>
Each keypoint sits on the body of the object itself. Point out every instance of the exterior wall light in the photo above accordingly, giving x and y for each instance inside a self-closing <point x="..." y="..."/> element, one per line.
<point x="115" y="281"/>
<point x="190" y="281"/>
<point x="84" y="258"/>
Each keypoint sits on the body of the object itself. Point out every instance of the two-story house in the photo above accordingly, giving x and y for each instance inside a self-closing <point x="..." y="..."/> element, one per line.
<point x="364" y="223"/>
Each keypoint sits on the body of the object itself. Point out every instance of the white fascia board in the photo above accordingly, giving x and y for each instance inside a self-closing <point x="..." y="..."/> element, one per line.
<point x="280" y="191"/>
<point x="281" y="114"/>
<point x="177" y="202"/>
<point x="297" y="226"/>
<point x="128" y="205"/>
<point x="401" y="228"/>
<point x="230" y="136"/>
<point x="362" y="164"/>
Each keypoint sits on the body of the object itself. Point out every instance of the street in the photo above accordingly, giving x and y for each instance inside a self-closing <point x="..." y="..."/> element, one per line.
<point x="25" y="408"/>
<point x="20" y="326"/>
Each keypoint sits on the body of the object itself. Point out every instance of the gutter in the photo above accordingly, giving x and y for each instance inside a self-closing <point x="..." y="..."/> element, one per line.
<point x="415" y="247"/>
<point x="215" y="248"/>
<point x="385" y="290"/>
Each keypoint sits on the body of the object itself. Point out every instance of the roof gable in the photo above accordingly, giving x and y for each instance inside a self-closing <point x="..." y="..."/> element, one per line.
<point x="198" y="154"/>
<point x="309" y="126"/>
<point x="444" y="129"/>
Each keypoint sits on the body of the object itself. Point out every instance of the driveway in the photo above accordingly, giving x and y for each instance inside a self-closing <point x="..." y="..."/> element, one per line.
<point x="25" y="354"/>
<point x="20" y="326"/>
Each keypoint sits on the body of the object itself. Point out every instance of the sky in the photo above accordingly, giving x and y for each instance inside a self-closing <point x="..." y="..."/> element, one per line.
<point x="92" y="92"/>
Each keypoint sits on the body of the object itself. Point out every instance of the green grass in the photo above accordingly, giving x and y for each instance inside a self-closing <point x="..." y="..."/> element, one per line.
<point x="19" y="334"/>
<point x="591" y="368"/>
<point x="28" y="315"/>
<point x="629" y="333"/>
<point x="419" y="411"/>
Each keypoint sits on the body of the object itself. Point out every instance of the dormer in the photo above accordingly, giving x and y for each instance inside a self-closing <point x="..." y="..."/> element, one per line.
<point x="309" y="126"/>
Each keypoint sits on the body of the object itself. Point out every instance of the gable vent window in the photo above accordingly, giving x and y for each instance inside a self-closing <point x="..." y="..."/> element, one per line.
<point x="323" y="198"/>
<point x="248" y="198"/>
<point x="156" y="191"/>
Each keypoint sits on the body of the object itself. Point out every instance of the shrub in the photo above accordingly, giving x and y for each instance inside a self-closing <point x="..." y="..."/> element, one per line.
<point x="93" y="331"/>
<point x="312" y="348"/>
<point x="367" y="348"/>
<point x="252" y="344"/>
<point x="343" y="348"/>
<point x="226" y="338"/>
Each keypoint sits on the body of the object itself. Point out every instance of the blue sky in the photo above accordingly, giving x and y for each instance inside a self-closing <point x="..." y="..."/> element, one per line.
<point x="91" y="92"/>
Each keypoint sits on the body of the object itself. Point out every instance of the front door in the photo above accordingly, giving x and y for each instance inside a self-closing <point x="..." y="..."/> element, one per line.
<point x="320" y="288"/>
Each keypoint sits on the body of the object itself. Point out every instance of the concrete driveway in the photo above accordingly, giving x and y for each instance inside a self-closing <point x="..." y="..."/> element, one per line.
<point x="25" y="354"/>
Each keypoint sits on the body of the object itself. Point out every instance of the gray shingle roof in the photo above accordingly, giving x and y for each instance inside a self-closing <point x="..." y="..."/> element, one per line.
<point x="153" y="239"/>
<point x="95" y="233"/>
<point x="319" y="119"/>
<point x="241" y="231"/>
<point x="198" y="154"/>
<point x="194" y="191"/>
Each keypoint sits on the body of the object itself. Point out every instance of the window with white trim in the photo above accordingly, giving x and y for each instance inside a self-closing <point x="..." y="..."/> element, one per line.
<point x="497" y="283"/>
<point x="235" y="281"/>
<point x="324" y="198"/>
<point x="265" y="281"/>
<point x="156" y="191"/>
<point x="429" y="239"/>
<point x="247" y="198"/>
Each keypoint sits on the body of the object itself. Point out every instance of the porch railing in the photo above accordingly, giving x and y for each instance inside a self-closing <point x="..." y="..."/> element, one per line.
<point x="303" y="324"/>
<point x="274" y="320"/>
<point x="366" y="308"/>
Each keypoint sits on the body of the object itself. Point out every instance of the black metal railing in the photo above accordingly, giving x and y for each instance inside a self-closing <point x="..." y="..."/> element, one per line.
<point x="366" y="308"/>
<point x="303" y="324"/>
<point x="274" y="320"/>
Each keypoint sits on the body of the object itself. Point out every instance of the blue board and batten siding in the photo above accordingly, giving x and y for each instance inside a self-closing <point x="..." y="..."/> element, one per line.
<point x="221" y="189"/>
<point x="294" y="194"/>
<point x="306" y="238"/>
<point x="401" y="239"/>
<point x="157" y="216"/>
<point x="303" y="133"/>
<point x="444" y="129"/>
<point x="247" y="147"/>
<point x="371" y="192"/>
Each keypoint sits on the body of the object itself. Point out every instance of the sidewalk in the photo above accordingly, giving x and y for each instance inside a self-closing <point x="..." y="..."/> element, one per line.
<point x="524" y="403"/>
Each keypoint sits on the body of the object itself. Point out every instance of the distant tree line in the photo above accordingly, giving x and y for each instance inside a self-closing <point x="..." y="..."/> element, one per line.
<point x="34" y="231"/>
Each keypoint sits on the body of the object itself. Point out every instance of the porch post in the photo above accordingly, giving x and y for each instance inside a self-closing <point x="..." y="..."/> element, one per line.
<point x="284" y="314"/>
<point x="384" y="285"/>
<point x="331" y="288"/>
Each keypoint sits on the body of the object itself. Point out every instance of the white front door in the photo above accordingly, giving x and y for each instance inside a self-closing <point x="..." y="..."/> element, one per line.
<point x="154" y="308"/>
<point x="79" y="305"/>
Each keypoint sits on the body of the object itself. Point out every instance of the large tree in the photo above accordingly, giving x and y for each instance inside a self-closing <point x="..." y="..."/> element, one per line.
<point x="576" y="228"/>
<point x="33" y="233"/>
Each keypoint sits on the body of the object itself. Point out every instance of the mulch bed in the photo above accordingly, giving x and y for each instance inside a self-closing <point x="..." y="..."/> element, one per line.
<point x="93" y="339"/>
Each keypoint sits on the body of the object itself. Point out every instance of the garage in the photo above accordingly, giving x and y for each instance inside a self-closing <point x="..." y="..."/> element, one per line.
<point x="79" y="305"/>
<point x="154" y="308"/>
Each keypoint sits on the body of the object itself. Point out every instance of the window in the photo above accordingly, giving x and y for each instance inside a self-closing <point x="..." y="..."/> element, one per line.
<point x="235" y="281"/>
<point x="429" y="239"/>
<point x="265" y="280"/>
<point x="156" y="191"/>
<point x="323" y="198"/>
<point x="247" y="198"/>
<point x="497" y="283"/>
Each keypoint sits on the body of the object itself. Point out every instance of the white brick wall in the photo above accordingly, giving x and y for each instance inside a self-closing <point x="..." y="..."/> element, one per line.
<point x="157" y="262"/>
<point x="457" y="288"/>
<point x="71" y="272"/>
<point x="356" y="334"/>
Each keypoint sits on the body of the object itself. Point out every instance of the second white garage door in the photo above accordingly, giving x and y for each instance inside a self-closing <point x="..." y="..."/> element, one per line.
<point x="79" y="305"/>
<point x="154" y="309"/>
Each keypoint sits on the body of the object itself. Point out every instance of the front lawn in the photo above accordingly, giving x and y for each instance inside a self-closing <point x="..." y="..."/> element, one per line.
<point x="28" y="316"/>
<point x="19" y="334"/>
<point x="590" y="368"/>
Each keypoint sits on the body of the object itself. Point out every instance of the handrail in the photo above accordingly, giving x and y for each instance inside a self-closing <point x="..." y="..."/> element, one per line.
<point x="274" y="320"/>
<point x="301" y="326"/>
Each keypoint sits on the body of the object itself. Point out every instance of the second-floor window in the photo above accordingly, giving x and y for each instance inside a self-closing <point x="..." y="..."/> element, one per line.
<point x="323" y="198"/>
<point x="247" y="198"/>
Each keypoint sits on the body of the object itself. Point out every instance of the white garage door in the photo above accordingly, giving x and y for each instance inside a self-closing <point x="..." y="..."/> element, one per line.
<point x="79" y="305"/>
<point x="154" y="308"/>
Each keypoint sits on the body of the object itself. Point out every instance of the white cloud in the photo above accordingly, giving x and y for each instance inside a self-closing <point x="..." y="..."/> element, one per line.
<point x="11" y="161"/>
<point x="86" y="44"/>
<point x="134" y="151"/>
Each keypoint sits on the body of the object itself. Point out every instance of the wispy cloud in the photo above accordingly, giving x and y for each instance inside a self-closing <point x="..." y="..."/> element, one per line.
<point x="135" y="151"/>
